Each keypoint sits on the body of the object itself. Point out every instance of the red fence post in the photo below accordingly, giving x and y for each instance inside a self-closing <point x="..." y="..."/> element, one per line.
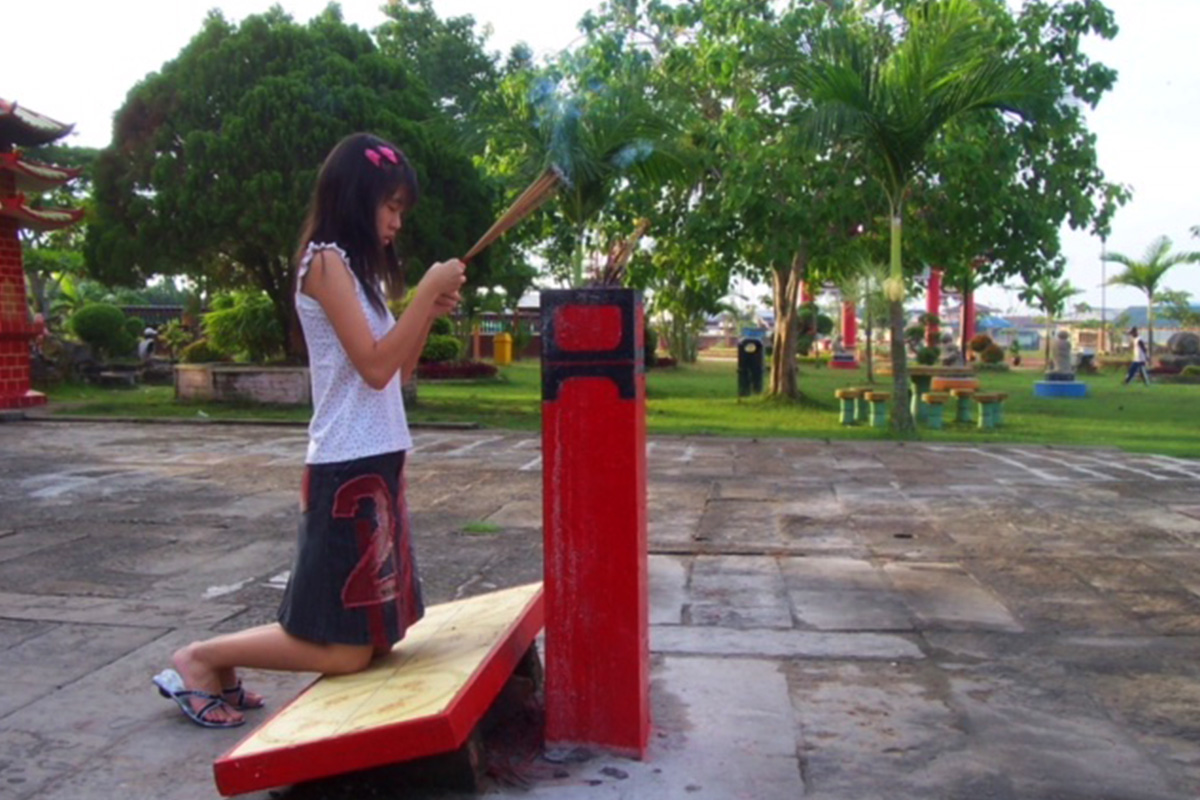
<point x="594" y="494"/>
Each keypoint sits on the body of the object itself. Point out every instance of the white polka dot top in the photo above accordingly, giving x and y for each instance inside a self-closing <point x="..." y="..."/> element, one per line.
<point x="350" y="419"/>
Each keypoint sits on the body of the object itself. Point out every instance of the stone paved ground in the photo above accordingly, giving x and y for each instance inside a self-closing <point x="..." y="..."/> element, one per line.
<point x="842" y="621"/>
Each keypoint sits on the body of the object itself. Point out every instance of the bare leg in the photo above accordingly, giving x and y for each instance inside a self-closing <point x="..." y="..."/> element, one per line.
<point x="210" y="665"/>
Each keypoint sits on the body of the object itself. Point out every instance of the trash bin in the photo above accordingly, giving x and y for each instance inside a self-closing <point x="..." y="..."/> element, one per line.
<point x="750" y="367"/>
<point x="502" y="349"/>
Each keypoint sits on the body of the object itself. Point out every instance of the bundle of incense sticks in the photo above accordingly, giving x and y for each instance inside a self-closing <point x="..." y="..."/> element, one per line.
<point x="537" y="193"/>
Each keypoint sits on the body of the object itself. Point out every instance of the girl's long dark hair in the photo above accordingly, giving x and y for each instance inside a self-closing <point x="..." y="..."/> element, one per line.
<point x="351" y="186"/>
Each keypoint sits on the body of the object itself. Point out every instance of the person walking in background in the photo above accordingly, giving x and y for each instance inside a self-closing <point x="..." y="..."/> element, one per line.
<point x="1140" y="357"/>
<point x="353" y="589"/>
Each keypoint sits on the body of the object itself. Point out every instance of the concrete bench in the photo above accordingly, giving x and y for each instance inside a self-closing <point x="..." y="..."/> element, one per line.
<point x="118" y="379"/>
<point x="424" y="698"/>
<point x="935" y="401"/>
<point x="990" y="409"/>
<point x="849" y="398"/>
<point x="878" y="401"/>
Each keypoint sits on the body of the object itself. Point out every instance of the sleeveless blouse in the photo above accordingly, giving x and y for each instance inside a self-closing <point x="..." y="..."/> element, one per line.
<point x="350" y="419"/>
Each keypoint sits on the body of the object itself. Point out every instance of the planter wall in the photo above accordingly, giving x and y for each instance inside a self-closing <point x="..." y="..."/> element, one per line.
<point x="227" y="383"/>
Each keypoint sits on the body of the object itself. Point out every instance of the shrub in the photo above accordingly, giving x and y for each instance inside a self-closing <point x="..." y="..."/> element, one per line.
<point x="200" y="352"/>
<point x="992" y="354"/>
<point x="440" y="348"/>
<point x="102" y="326"/>
<point x="651" y="347"/>
<point x="455" y="370"/>
<point x="244" y="323"/>
<point x="176" y="337"/>
<point x="1191" y="371"/>
<point x="442" y="326"/>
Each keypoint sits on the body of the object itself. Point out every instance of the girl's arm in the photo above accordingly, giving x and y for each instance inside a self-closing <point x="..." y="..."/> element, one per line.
<point x="330" y="282"/>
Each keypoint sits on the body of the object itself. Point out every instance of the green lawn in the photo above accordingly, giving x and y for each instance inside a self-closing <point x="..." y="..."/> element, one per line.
<point x="702" y="399"/>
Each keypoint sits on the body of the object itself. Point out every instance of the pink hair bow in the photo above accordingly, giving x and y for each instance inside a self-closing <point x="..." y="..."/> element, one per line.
<point x="376" y="155"/>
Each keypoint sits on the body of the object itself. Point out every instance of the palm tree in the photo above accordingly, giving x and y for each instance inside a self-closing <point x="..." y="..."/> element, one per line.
<point x="893" y="100"/>
<point x="1147" y="273"/>
<point x="593" y="139"/>
<point x="1050" y="294"/>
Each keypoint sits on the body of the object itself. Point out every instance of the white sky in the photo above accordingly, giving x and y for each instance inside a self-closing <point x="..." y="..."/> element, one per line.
<point x="76" y="62"/>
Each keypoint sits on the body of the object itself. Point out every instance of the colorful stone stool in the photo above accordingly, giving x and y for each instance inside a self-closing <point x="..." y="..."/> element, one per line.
<point x="936" y="402"/>
<point x="862" y="407"/>
<point x="878" y="401"/>
<point x="989" y="409"/>
<point x="963" y="410"/>
<point x="849" y="398"/>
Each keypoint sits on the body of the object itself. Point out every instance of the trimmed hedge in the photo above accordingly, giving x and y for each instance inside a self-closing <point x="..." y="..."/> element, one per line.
<point x="455" y="370"/>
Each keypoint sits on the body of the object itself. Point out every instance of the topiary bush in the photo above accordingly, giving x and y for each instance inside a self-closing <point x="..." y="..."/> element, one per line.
<point x="928" y="355"/>
<point x="992" y="354"/>
<point x="440" y="348"/>
<point x="243" y="323"/>
<point x="980" y="342"/>
<point x="102" y="327"/>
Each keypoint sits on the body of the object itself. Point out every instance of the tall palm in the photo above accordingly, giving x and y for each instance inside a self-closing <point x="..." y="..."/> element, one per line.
<point x="893" y="99"/>
<point x="1050" y="294"/>
<point x="1147" y="273"/>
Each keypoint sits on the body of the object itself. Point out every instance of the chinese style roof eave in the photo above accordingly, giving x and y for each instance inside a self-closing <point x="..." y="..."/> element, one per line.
<point x="34" y="176"/>
<point x="38" y="219"/>
<point x="24" y="128"/>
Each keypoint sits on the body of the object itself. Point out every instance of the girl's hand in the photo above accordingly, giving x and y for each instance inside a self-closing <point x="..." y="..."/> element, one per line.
<point x="446" y="303"/>
<point x="445" y="277"/>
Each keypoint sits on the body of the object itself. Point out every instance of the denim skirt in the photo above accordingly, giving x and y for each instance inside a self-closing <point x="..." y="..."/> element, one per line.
<point x="354" y="580"/>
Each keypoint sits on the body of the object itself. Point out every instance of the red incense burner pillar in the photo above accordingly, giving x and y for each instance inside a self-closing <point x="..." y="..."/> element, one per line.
<point x="594" y="496"/>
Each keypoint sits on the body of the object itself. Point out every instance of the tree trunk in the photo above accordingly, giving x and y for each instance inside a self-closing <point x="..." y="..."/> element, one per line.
<point x="869" y="329"/>
<point x="1049" y="333"/>
<point x="787" y="281"/>
<point x="902" y="421"/>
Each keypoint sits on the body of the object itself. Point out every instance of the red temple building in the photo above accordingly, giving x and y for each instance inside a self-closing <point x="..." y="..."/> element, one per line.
<point x="20" y="177"/>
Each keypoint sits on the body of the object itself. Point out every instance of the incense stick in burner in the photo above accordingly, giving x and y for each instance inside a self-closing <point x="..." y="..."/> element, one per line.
<point x="537" y="193"/>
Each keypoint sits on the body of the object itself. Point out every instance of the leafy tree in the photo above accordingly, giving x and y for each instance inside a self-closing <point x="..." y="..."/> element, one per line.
<point x="1177" y="306"/>
<point x="1147" y="273"/>
<point x="1001" y="188"/>
<point x="892" y="99"/>
<point x="450" y="59"/>
<point x="763" y="205"/>
<point x="214" y="156"/>
<point x="447" y="55"/>
<point x="1050" y="294"/>
<point x="52" y="257"/>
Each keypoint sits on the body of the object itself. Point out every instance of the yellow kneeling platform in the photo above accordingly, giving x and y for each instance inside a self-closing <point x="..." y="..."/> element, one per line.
<point x="424" y="698"/>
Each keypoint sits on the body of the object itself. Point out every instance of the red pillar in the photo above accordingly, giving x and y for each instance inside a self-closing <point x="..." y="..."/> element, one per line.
<point x="933" y="304"/>
<point x="16" y="328"/>
<point x="594" y="498"/>
<point x="968" y="316"/>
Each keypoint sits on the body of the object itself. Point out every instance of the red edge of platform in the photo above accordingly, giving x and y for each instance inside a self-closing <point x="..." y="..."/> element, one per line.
<point x="390" y="744"/>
